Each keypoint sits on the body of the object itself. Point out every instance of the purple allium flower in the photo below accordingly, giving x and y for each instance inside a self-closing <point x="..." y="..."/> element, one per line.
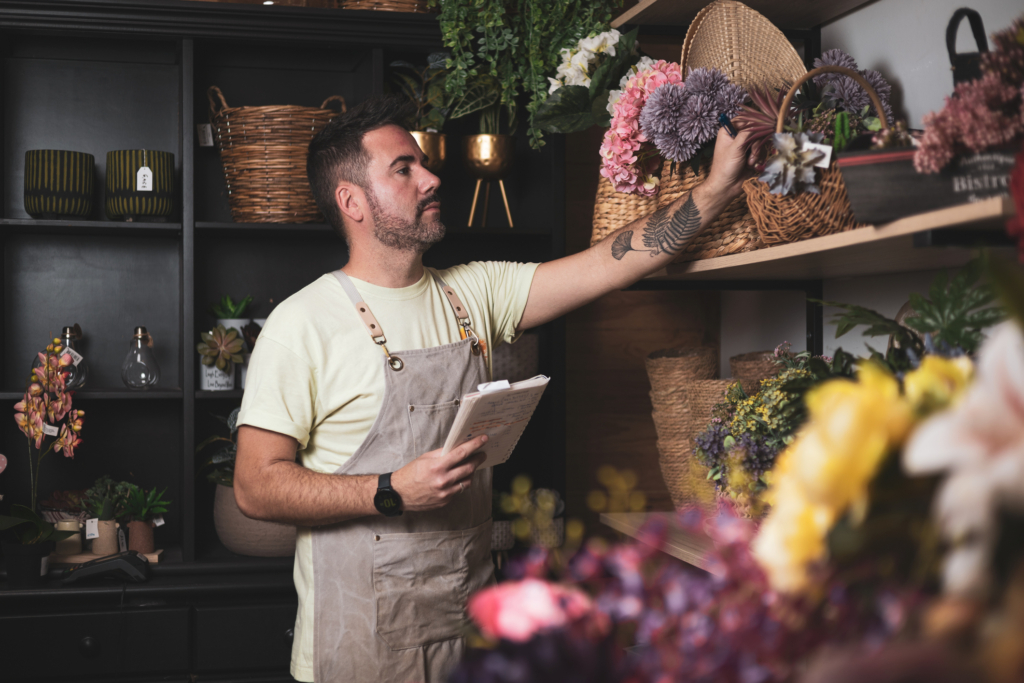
<point x="835" y="57"/>
<point x="659" y="113"/>
<point x="882" y="87"/>
<point x="848" y="95"/>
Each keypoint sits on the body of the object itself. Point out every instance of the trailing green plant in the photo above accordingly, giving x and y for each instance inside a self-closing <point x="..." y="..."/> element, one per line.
<point x="423" y="86"/>
<point x="219" y="466"/>
<point x="483" y="96"/>
<point x="227" y="308"/>
<point x="517" y="42"/>
<point x="141" y="506"/>
<point x="221" y="348"/>
<point x="107" y="499"/>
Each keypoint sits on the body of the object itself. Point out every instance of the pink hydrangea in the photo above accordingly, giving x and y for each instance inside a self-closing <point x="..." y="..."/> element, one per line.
<point x="518" y="610"/>
<point x="628" y="159"/>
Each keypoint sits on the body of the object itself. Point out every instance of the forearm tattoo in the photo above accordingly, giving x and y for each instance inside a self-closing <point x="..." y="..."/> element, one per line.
<point x="663" y="233"/>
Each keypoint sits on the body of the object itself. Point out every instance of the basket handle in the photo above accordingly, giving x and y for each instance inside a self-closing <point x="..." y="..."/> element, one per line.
<point x="212" y="92"/>
<point x="788" y="102"/>
<point x="335" y="98"/>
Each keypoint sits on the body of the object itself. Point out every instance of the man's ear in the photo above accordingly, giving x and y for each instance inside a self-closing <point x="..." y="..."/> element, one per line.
<point x="351" y="201"/>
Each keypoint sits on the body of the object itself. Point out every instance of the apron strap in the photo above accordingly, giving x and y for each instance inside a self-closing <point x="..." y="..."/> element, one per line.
<point x="369" y="321"/>
<point x="465" y="331"/>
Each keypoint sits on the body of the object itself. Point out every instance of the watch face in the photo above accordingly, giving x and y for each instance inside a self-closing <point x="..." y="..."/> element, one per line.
<point x="388" y="503"/>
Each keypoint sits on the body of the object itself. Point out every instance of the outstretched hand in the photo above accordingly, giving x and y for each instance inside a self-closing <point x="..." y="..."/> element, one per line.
<point x="729" y="166"/>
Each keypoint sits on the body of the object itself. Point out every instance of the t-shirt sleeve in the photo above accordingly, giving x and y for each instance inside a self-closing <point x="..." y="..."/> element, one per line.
<point x="280" y="392"/>
<point x="509" y="285"/>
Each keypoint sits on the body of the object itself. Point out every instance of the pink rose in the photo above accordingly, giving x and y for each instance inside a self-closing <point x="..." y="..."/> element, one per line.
<point x="518" y="610"/>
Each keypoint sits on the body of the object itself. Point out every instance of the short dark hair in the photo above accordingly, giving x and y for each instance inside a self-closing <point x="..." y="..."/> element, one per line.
<point x="337" y="153"/>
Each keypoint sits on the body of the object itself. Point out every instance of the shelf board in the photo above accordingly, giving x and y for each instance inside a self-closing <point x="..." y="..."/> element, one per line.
<point x="104" y="394"/>
<point x="234" y="393"/>
<point x="30" y="226"/>
<point x="292" y="229"/>
<point x="786" y="14"/>
<point x="866" y="251"/>
<point x="680" y="543"/>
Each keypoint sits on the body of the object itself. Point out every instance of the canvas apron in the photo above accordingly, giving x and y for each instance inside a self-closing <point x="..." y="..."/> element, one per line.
<point x="390" y="592"/>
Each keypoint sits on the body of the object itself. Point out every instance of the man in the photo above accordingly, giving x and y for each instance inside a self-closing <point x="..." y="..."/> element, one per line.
<point x="362" y="372"/>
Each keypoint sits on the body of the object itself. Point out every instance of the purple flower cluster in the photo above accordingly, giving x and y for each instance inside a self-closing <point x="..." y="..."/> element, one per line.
<point x="710" y="450"/>
<point x="844" y="92"/>
<point x="758" y="455"/>
<point x="680" y="118"/>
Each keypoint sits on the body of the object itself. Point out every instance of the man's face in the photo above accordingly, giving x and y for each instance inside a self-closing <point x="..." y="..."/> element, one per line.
<point x="402" y="193"/>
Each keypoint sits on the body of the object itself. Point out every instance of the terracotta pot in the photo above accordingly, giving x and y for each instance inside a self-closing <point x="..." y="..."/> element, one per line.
<point x="435" y="146"/>
<point x="106" y="542"/>
<point x="245" y="536"/>
<point x="140" y="536"/>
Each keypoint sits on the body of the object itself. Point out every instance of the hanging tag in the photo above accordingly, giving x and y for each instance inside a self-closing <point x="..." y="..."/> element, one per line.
<point x="144" y="180"/>
<point x="158" y="520"/>
<point x="205" y="134"/>
<point x="826" y="150"/>
<point x="121" y="542"/>
<point x="92" y="528"/>
<point x="44" y="566"/>
<point x="50" y="430"/>
<point x="76" y="357"/>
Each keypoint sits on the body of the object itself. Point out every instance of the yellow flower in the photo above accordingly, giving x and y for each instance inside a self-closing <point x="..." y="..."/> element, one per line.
<point x="938" y="382"/>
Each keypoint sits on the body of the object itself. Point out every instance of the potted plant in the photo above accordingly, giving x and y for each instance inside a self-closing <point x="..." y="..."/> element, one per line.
<point x="219" y="350"/>
<point x="140" y="509"/>
<point x="238" y="533"/>
<point x="423" y="86"/>
<point x="229" y="314"/>
<point x="106" y="502"/>
<point x="47" y="403"/>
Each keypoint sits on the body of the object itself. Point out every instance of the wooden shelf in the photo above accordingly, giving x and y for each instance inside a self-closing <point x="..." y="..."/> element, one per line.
<point x="680" y="543"/>
<point x="233" y="393"/>
<point x="291" y="229"/>
<point x="30" y="226"/>
<point x="105" y="394"/>
<point x="867" y="251"/>
<point x="787" y="14"/>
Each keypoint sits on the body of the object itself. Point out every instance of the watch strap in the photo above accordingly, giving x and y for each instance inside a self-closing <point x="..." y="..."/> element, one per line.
<point x="384" y="481"/>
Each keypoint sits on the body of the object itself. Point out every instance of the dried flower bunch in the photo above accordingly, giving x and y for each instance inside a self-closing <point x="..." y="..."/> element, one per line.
<point x="681" y="119"/>
<point x="981" y="114"/>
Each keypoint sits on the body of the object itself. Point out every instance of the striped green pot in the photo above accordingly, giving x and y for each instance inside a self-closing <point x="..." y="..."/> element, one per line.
<point x="124" y="200"/>
<point x="59" y="184"/>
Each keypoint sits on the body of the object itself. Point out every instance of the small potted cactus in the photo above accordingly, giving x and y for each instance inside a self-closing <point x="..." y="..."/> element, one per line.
<point x="219" y="350"/>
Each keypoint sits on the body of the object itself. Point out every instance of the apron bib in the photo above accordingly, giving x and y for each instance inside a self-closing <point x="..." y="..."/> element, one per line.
<point x="390" y="592"/>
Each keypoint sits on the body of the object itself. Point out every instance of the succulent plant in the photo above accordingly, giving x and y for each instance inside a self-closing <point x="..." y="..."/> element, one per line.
<point x="227" y="308"/>
<point x="791" y="170"/>
<point x="220" y="347"/>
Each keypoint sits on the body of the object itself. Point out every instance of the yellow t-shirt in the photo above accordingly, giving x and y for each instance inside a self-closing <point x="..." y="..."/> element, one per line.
<point x="316" y="375"/>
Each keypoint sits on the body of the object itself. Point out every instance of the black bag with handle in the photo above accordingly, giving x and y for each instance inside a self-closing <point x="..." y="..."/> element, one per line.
<point x="966" y="66"/>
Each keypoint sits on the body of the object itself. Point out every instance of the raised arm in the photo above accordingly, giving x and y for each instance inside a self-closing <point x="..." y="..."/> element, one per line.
<point x="640" y="248"/>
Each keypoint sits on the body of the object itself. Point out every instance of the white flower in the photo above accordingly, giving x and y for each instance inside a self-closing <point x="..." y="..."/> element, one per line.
<point x="582" y="60"/>
<point x="577" y="76"/>
<point x="980" y="444"/>
<point x="555" y="85"/>
<point x="613" y="97"/>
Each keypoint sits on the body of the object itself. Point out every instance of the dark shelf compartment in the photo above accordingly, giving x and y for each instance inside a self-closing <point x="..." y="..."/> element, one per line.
<point x="277" y="229"/>
<point x="87" y="394"/>
<point x="29" y="226"/>
<point x="234" y="393"/>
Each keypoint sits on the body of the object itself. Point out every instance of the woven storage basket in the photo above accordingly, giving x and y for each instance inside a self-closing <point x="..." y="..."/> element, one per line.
<point x="733" y="232"/>
<point x="613" y="210"/>
<point x="264" y="151"/>
<point x="783" y="219"/>
<point x="750" y="368"/>
<point x="673" y="374"/>
<point x="419" y="6"/>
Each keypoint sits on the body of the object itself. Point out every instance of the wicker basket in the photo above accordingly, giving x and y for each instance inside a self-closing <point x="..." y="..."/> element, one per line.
<point x="733" y="232"/>
<point x="750" y="368"/>
<point x="783" y="219"/>
<point x="613" y="210"/>
<point x="264" y="151"/>
<point x="418" y="6"/>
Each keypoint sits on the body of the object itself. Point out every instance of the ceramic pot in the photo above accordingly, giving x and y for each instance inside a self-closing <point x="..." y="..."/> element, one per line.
<point x="245" y="367"/>
<point x="59" y="184"/>
<point x="435" y="146"/>
<point x="26" y="564"/>
<point x="106" y="542"/>
<point x="488" y="157"/>
<point x="125" y="199"/>
<point x="237" y="323"/>
<point x="72" y="545"/>
<point x="245" y="536"/>
<point x="212" y="379"/>
<point x="140" y="536"/>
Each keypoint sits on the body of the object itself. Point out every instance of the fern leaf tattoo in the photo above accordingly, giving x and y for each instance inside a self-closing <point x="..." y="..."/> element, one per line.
<point x="622" y="245"/>
<point x="668" y="235"/>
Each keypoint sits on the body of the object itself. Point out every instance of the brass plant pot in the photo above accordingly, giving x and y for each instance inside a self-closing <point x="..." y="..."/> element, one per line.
<point x="435" y="146"/>
<point x="488" y="158"/>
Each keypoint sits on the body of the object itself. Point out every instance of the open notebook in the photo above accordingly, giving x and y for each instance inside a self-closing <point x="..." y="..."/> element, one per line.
<point x="501" y="411"/>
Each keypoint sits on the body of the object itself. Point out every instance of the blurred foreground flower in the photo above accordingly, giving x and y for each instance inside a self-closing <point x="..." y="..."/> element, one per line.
<point x="519" y="610"/>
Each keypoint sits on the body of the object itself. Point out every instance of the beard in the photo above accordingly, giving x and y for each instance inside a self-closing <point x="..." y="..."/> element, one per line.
<point x="398" y="233"/>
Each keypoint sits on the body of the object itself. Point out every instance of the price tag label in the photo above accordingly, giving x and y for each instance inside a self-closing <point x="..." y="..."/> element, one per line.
<point x="826" y="151"/>
<point x="205" y="134"/>
<point x="50" y="430"/>
<point x="121" y="542"/>
<point x="144" y="180"/>
<point x="76" y="357"/>
<point x="92" y="528"/>
<point x="158" y="520"/>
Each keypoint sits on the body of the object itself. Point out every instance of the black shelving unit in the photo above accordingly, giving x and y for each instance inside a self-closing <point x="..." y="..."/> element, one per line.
<point x="101" y="75"/>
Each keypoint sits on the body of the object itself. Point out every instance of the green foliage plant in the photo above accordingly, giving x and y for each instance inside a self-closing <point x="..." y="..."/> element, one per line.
<point x="516" y="42"/>
<point x="219" y="466"/>
<point x="423" y="86"/>
<point x="107" y="499"/>
<point x="28" y="528"/>
<point x="227" y="308"/>
<point x="141" y="506"/>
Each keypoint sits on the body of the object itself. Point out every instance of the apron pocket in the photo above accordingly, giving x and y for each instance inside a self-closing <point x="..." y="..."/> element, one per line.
<point x="430" y="425"/>
<point x="422" y="581"/>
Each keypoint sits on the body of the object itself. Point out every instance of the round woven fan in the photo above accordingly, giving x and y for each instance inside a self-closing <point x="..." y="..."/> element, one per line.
<point x="745" y="46"/>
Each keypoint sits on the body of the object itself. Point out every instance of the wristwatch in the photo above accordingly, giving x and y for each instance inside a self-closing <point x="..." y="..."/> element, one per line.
<point x="387" y="501"/>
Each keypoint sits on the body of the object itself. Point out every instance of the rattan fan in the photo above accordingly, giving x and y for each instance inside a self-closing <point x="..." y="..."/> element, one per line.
<point x="743" y="44"/>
